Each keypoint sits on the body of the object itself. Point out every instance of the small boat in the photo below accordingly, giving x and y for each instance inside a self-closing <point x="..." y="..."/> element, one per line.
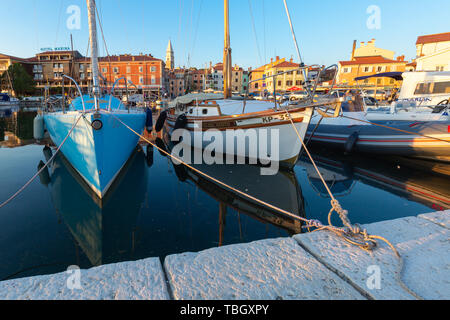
<point x="7" y="101"/>
<point x="352" y="132"/>
<point x="226" y="115"/>
<point x="98" y="144"/>
<point x="237" y="119"/>
<point x="424" y="96"/>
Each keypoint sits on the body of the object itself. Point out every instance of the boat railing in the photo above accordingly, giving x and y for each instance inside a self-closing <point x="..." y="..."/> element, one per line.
<point x="78" y="88"/>
<point x="311" y="93"/>
<point x="126" y="88"/>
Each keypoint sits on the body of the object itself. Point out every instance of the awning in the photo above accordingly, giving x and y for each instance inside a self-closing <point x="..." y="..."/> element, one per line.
<point x="295" y="89"/>
<point x="393" y="75"/>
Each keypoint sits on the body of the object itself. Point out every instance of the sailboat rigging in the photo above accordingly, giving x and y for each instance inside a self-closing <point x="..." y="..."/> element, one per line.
<point x="97" y="146"/>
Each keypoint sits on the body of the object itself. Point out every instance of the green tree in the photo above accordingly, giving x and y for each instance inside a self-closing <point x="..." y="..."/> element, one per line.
<point x="21" y="81"/>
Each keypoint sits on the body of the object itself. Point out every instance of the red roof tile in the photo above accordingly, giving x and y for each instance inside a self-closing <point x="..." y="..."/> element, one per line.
<point x="432" y="38"/>
<point x="369" y="60"/>
<point x="287" y="64"/>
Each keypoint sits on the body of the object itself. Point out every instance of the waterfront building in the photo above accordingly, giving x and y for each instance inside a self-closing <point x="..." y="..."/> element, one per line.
<point x="49" y="66"/>
<point x="177" y="80"/>
<point x="369" y="60"/>
<point x="433" y="52"/>
<point x="245" y="81"/>
<point x="143" y="72"/>
<point x="281" y="83"/>
<point x="6" y="61"/>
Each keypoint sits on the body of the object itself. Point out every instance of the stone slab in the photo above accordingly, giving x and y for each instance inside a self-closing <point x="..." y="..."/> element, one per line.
<point x="138" y="280"/>
<point x="441" y="218"/>
<point x="263" y="270"/>
<point x="423" y="245"/>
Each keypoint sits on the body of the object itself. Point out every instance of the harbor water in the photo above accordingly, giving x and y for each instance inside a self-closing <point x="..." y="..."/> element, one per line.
<point x="155" y="208"/>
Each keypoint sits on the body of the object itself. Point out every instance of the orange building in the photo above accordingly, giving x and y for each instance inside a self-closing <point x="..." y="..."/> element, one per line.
<point x="369" y="60"/>
<point x="366" y="66"/>
<point x="142" y="71"/>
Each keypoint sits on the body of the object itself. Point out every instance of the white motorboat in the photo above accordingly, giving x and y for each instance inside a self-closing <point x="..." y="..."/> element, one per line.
<point x="424" y="96"/>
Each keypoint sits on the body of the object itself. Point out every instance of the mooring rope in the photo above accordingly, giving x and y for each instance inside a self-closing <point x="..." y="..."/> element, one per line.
<point x="354" y="235"/>
<point x="43" y="167"/>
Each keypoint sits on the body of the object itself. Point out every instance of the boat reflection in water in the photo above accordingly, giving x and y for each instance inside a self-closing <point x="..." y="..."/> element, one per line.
<point x="16" y="127"/>
<point x="103" y="228"/>
<point x="281" y="190"/>
<point x="426" y="185"/>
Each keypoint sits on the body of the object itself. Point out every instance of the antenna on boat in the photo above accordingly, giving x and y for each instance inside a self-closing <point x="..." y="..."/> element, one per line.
<point x="94" y="50"/>
<point x="226" y="54"/>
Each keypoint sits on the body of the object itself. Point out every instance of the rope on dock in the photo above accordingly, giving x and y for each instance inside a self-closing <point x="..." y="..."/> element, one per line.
<point x="353" y="234"/>
<point x="43" y="167"/>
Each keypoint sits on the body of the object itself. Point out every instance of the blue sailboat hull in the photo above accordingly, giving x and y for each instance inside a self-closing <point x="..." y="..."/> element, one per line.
<point x="97" y="155"/>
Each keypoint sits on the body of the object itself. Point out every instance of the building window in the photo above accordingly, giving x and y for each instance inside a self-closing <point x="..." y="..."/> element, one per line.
<point x="104" y="70"/>
<point x="116" y="70"/>
<point x="153" y="80"/>
<point x="141" y="69"/>
<point x="128" y="69"/>
<point x="152" y="69"/>
<point x="367" y="69"/>
<point x="141" y="80"/>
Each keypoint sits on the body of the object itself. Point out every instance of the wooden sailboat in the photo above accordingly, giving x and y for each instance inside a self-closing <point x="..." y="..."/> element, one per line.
<point x="227" y="114"/>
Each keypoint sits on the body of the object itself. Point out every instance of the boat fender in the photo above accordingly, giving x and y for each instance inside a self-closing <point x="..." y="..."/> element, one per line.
<point x="181" y="122"/>
<point x="161" y="146"/>
<point x="149" y="155"/>
<point x="38" y="127"/>
<point x="181" y="172"/>
<point x="149" y="120"/>
<point x="160" y="122"/>
<point x="351" y="142"/>
<point x="48" y="153"/>
<point x="44" y="176"/>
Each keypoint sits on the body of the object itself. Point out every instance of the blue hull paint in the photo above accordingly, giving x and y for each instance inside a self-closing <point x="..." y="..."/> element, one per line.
<point x="97" y="155"/>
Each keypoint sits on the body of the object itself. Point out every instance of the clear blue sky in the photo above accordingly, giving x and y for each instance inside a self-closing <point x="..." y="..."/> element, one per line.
<point x="325" y="29"/>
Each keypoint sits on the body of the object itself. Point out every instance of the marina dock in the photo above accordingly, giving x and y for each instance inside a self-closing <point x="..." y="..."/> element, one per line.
<point x="317" y="265"/>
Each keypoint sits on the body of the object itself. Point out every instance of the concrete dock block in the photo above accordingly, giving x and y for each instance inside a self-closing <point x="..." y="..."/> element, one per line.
<point x="139" y="280"/>
<point x="268" y="269"/>
<point x="441" y="218"/>
<point x="423" y="245"/>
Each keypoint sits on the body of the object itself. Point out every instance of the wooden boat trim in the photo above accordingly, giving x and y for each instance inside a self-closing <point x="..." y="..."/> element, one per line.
<point x="234" y="126"/>
<point x="244" y="116"/>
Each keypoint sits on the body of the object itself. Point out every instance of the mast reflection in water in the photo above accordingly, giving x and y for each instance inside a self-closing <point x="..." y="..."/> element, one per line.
<point x="156" y="208"/>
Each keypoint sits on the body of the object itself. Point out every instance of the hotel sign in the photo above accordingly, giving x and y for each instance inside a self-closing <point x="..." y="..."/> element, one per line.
<point x="55" y="49"/>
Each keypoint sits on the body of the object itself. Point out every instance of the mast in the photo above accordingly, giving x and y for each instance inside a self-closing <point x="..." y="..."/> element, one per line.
<point x="94" y="50"/>
<point x="226" y="55"/>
